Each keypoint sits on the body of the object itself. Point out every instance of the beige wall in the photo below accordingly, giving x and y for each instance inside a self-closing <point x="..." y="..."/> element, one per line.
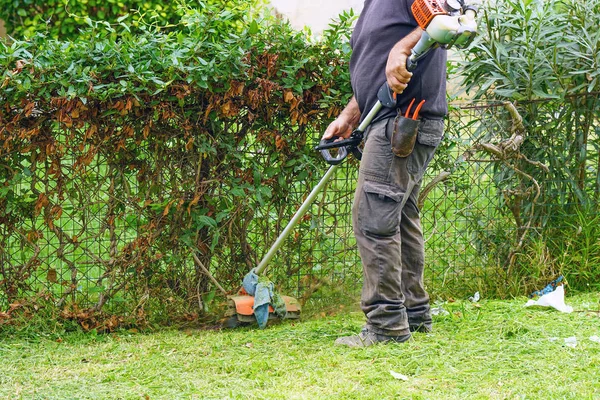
<point x="316" y="14"/>
<point x="2" y="30"/>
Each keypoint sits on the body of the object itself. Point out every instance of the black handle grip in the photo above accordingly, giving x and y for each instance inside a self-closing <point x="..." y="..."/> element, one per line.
<point x="324" y="147"/>
<point x="410" y="64"/>
<point x="386" y="96"/>
<point x="344" y="146"/>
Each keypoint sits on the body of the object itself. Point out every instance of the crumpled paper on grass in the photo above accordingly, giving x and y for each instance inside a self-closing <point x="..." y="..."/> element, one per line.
<point x="439" y="310"/>
<point x="555" y="299"/>
<point x="399" y="376"/>
<point x="475" y="298"/>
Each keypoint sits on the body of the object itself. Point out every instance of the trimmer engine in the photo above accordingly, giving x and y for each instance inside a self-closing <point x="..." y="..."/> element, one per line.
<point x="445" y="24"/>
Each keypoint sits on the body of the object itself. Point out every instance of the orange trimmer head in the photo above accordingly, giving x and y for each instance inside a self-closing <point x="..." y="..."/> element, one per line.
<point x="240" y="309"/>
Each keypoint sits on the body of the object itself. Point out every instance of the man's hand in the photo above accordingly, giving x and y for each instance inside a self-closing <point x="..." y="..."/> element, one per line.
<point x="339" y="127"/>
<point x="344" y="124"/>
<point x="395" y="70"/>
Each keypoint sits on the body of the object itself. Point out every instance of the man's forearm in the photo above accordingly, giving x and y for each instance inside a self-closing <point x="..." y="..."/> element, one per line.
<point x="351" y="113"/>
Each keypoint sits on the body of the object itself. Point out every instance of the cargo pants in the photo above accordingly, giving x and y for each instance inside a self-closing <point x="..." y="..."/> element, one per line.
<point x="388" y="231"/>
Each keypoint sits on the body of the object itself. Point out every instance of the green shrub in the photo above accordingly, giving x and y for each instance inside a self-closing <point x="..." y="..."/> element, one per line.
<point x="533" y="49"/>
<point x="65" y="19"/>
<point x="545" y="57"/>
<point x="125" y="154"/>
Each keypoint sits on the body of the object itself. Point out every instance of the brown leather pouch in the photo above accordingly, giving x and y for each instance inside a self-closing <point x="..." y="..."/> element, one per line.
<point x="404" y="135"/>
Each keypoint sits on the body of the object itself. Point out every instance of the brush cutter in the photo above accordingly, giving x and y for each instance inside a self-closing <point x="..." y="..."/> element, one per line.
<point x="444" y="24"/>
<point x="242" y="307"/>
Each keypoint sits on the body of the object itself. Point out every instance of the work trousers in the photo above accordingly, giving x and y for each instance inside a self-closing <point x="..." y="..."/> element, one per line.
<point x="388" y="230"/>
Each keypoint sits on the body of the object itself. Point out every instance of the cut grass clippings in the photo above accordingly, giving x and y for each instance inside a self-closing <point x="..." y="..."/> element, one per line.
<point x="486" y="350"/>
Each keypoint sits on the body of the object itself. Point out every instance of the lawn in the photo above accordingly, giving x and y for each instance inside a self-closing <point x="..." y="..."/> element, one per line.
<point x="486" y="350"/>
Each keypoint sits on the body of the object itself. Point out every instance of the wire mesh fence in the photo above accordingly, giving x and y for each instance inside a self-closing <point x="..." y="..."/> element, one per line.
<point x="477" y="207"/>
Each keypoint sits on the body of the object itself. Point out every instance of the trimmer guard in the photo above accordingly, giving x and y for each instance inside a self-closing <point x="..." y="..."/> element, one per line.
<point x="242" y="305"/>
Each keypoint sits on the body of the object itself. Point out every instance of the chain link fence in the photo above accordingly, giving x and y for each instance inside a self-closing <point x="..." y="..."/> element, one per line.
<point x="470" y="225"/>
<point x="489" y="216"/>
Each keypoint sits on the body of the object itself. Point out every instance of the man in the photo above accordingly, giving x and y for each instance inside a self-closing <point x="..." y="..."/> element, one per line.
<point x="385" y="214"/>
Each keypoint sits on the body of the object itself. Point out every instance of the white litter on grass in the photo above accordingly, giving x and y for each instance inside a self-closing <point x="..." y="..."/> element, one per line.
<point x="595" y="339"/>
<point x="439" y="310"/>
<point x="555" y="299"/>
<point x="399" y="376"/>
<point x="553" y="339"/>
<point x="571" y="342"/>
<point x="475" y="298"/>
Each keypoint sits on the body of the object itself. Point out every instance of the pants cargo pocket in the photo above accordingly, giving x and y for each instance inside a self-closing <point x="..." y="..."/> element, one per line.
<point x="428" y="139"/>
<point x="379" y="209"/>
<point x="377" y="155"/>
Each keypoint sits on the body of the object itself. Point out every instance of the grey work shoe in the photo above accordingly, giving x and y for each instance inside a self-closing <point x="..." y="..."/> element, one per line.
<point x="366" y="339"/>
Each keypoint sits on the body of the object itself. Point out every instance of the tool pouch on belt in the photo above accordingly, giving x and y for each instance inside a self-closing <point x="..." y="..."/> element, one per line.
<point x="404" y="135"/>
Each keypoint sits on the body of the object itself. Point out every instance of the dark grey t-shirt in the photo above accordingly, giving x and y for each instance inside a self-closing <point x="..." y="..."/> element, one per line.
<point x="382" y="23"/>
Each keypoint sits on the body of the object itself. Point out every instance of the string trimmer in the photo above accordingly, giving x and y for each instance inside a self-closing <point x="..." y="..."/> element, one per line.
<point x="444" y="24"/>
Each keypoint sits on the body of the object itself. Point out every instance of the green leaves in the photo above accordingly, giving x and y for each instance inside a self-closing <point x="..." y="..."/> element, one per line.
<point x="65" y="19"/>
<point x="544" y="55"/>
<point x="253" y="28"/>
<point x="533" y="49"/>
<point x="134" y="143"/>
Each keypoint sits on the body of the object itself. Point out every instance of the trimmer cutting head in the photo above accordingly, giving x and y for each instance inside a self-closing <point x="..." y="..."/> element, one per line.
<point x="240" y="309"/>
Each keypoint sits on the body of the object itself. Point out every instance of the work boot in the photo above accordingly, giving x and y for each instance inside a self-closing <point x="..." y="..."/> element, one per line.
<point x="366" y="339"/>
<point x="422" y="327"/>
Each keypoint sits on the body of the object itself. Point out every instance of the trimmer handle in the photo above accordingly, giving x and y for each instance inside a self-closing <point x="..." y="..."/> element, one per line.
<point x="325" y="145"/>
<point x="344" y="146"/>
<point x="411" y="64"/>
<point x="386" y="96"/>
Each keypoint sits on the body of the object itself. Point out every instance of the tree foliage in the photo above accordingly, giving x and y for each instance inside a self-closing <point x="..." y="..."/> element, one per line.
<point x="533" y="50"/>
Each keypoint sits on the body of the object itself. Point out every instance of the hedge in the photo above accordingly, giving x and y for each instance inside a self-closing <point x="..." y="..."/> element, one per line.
<point x="187" y="133"/>
<point x="66" y="19"/>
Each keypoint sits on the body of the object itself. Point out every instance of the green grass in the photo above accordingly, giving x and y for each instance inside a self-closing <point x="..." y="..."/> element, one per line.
<point x="493" y="350"/>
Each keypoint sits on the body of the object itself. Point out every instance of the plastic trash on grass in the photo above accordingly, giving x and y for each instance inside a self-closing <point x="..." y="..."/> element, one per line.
<point x="549" y="287"/>
<point x="399" y="376"/>
<point x="555" y="299"/>
<point x="439" y="310"/>
<point x="475" y="298"/>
